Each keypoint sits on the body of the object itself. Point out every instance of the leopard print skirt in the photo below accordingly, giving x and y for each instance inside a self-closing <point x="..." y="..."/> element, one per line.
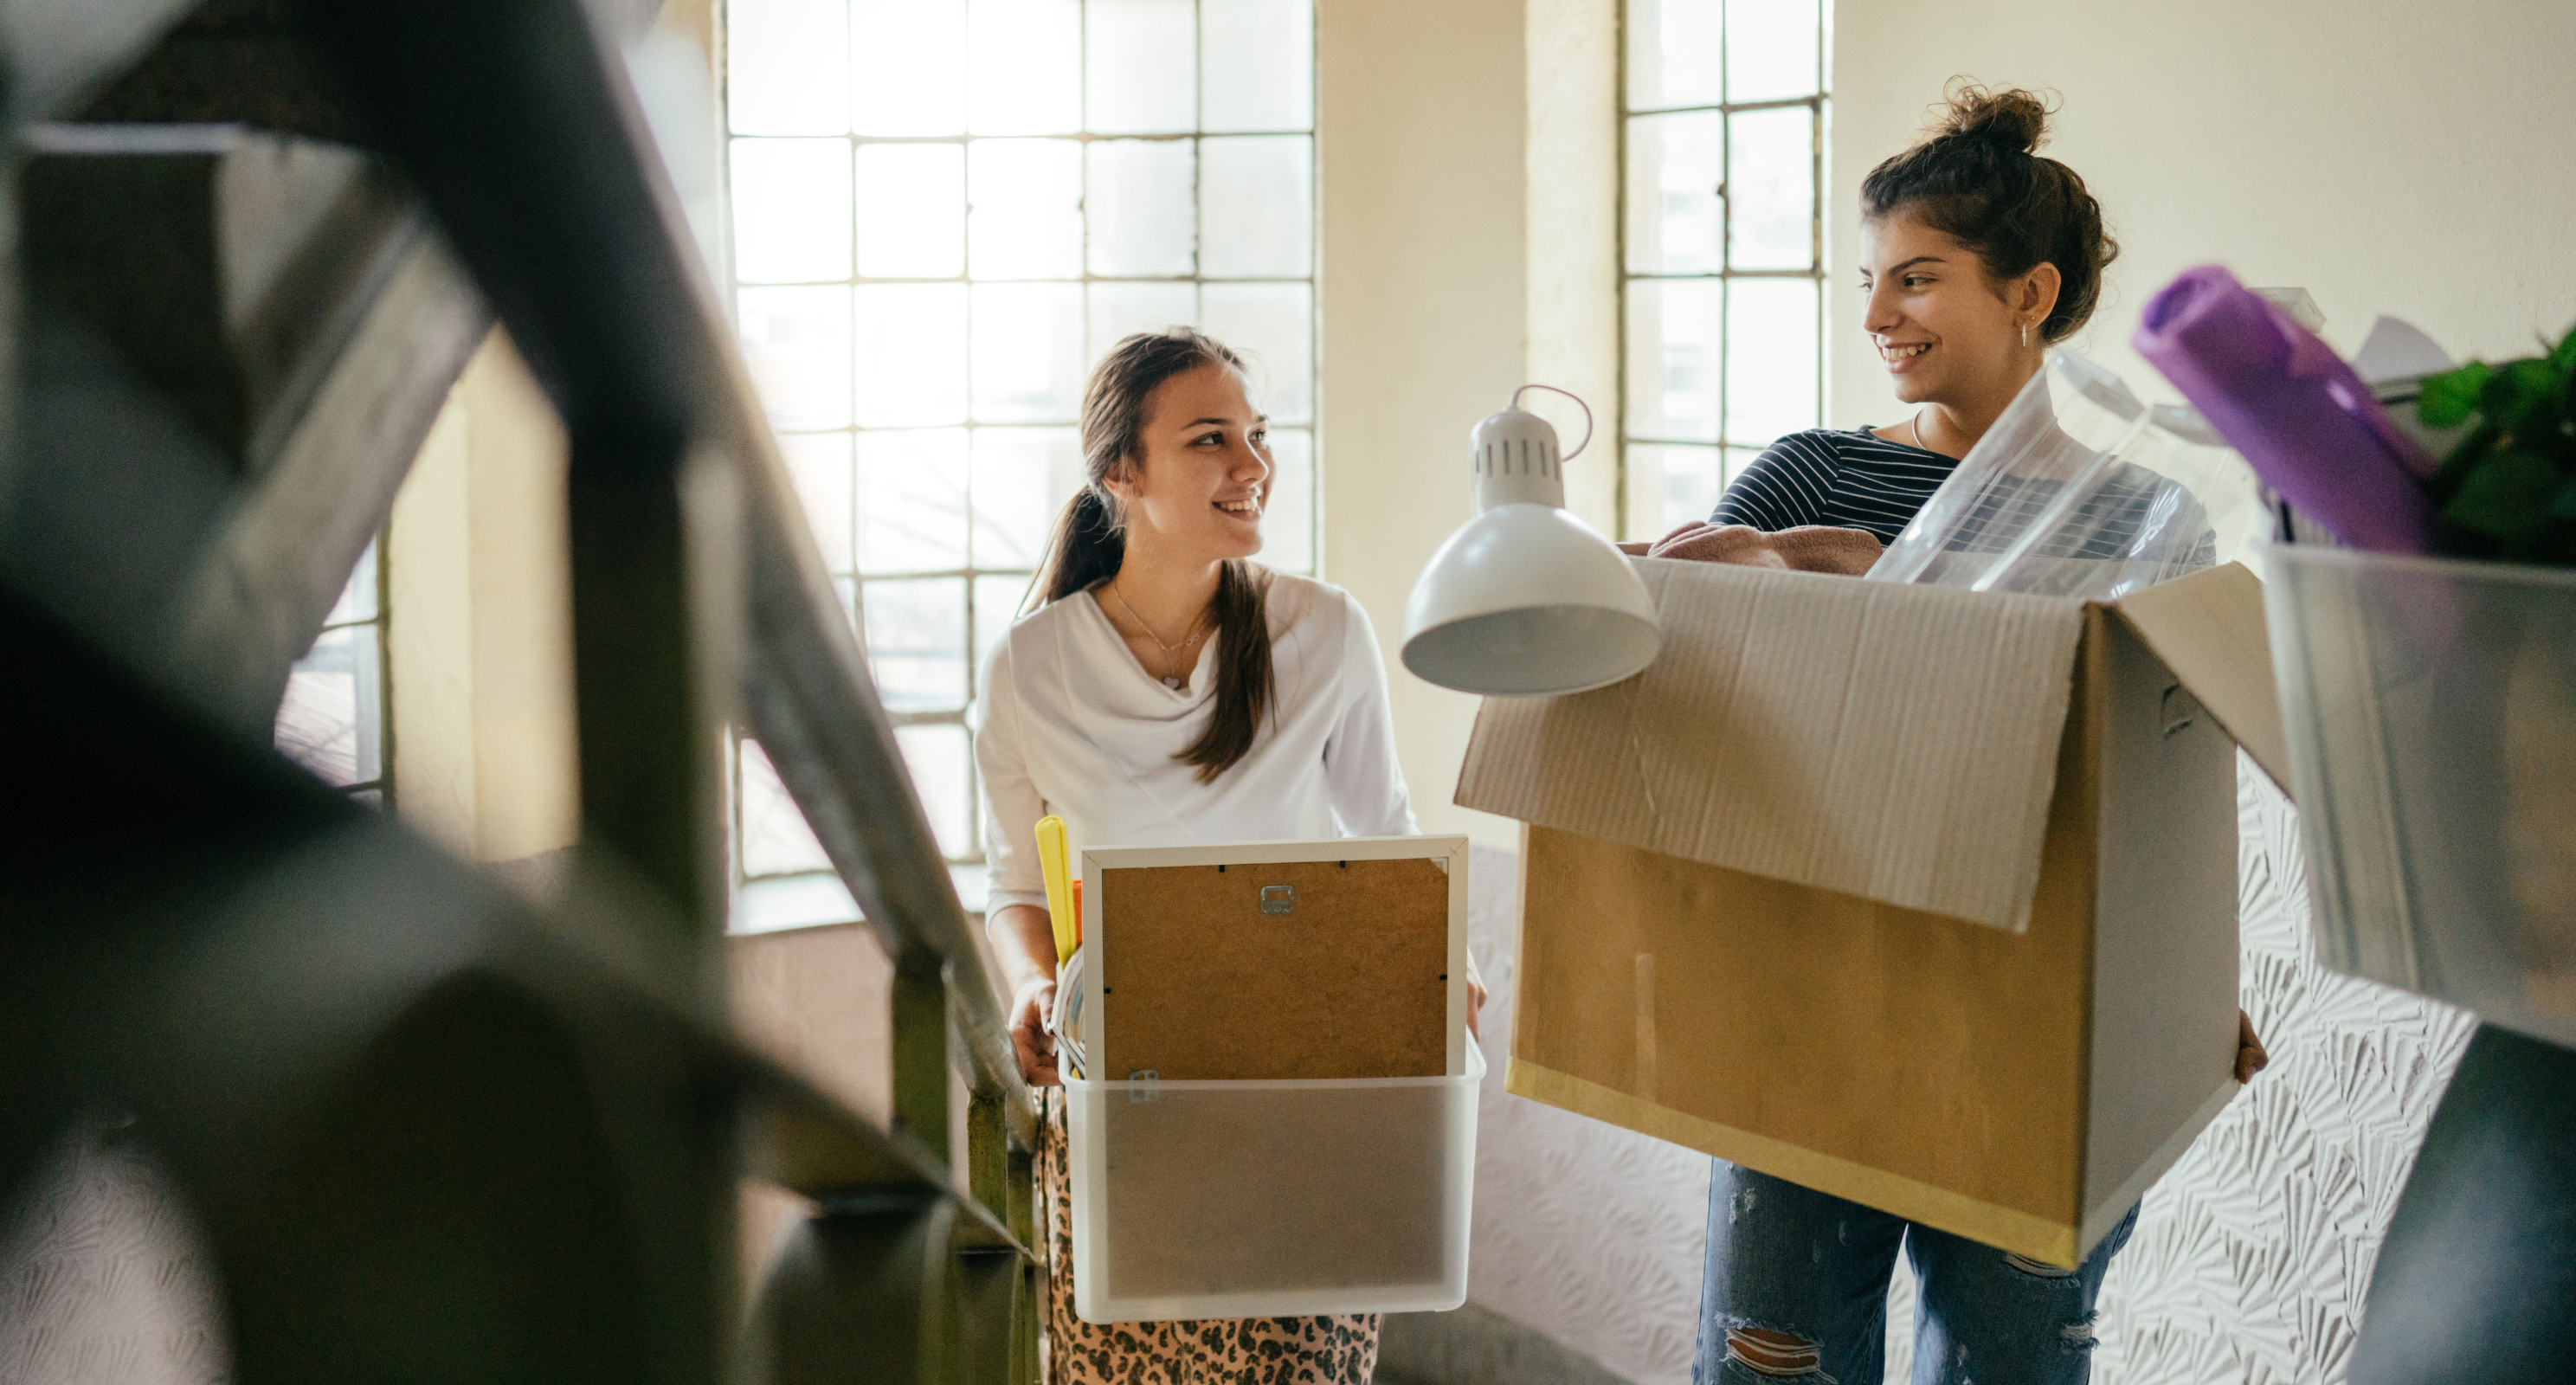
<point x="1214" y="1351"/>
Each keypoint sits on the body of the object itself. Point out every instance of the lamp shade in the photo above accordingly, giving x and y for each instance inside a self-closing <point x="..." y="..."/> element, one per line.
<point x="1525" y="598"/>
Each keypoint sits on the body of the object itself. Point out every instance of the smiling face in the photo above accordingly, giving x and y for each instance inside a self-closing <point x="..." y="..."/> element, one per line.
<point x="1199" y="488"/>
<point x="1948" y="332"/>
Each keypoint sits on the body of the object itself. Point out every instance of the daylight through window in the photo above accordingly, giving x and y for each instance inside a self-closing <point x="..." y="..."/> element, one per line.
<point x="943" y="212"/>
<point x="1724" y="129"/>
<point x="332" y="719"/>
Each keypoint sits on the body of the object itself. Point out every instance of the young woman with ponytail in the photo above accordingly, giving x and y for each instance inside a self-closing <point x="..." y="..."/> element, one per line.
<point x="1169" y="690"/>
<point x="1977" y="255"/>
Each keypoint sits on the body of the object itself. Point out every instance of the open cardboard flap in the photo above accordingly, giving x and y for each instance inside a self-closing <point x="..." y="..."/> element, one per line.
<point x="1886" y="740"/>
<point x="2209" y="629"/>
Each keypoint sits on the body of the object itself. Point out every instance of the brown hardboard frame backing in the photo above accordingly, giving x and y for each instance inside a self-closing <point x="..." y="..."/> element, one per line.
<point x="1198" y="984"/>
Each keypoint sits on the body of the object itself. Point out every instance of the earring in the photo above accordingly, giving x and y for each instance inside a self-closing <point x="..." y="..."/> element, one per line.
<point x="2025" y="334"/>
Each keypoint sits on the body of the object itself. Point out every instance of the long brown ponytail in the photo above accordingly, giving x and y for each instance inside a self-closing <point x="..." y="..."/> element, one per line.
<point x="1090" y="540"/>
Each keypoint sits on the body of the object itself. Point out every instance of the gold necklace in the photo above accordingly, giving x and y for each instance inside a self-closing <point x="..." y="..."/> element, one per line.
<point x="1171" y="656"/>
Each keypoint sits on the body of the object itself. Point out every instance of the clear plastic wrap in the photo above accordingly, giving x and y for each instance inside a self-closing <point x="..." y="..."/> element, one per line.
<point x="2081" y="490"/>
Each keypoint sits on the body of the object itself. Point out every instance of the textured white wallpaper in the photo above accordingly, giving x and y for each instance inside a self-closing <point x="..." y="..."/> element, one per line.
<point x="102" y="1278"/>
<point x="2250" y="1260"/>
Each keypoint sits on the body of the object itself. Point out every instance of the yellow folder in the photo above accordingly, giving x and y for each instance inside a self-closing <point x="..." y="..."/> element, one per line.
<point x="1058" y="888"/>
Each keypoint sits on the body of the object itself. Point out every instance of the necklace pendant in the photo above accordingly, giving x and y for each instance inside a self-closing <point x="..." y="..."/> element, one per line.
<point x="1173" y="682"/>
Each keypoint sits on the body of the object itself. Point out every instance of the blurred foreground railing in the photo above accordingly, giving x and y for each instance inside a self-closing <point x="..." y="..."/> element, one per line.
<point x="698" y="597"/>
<point x="516" y="121"/>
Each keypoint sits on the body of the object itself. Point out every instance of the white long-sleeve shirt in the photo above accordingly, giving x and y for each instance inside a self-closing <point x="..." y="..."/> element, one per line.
<point x="1070" y="723"/>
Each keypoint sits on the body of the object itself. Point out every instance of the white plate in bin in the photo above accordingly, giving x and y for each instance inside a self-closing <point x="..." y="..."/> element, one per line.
<point x="2430" y="705"/>
<point x="1271" y="1199"/>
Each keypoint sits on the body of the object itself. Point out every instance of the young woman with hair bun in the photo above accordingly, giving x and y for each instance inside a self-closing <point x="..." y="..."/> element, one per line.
<point x="1168" y="690"/>
<point x="1977" y="255"/>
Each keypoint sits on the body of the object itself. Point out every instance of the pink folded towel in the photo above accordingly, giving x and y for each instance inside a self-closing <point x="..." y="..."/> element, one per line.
<point x="1807" y="548"/>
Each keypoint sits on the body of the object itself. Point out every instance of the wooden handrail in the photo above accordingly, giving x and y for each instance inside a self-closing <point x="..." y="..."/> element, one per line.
<point x="517" y="122"/>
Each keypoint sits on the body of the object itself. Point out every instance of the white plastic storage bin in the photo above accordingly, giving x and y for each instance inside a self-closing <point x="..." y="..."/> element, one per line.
<point x="2430" y="706"/>
<point x="1271" y="1199"/>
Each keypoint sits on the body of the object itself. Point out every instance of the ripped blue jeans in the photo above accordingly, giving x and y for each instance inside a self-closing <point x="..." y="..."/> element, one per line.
<point x="1809" y="1273"/>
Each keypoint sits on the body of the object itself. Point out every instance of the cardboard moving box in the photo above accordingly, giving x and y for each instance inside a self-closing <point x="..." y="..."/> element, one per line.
<point x="1921" y="897"/>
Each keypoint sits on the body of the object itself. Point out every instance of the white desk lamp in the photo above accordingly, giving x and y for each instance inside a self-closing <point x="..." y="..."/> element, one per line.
<point x="1525" y="598"/>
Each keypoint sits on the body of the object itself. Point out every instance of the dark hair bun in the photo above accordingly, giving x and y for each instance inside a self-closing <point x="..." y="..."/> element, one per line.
<point x="2011" y="117"/>
<point x="1976" y="176"/>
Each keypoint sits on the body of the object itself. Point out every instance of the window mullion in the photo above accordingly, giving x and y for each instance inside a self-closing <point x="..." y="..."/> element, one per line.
<point x="871" y="433"/>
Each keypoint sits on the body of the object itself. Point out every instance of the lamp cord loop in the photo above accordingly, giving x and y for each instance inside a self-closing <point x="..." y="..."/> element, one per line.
<point x="1578" y="403"/>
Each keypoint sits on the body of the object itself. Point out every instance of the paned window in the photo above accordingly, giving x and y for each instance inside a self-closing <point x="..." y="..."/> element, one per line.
<point x="333" y="718"/>
<point x="1723" y="127"/>
<point x="943" y="212"/>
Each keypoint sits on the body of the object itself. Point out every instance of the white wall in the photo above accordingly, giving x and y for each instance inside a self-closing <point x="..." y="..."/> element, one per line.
<point x="480" y="622"/>
<point x="2389" y="156"/>
<point x="1419" y="129"/>
<point x="1572" y="196"/>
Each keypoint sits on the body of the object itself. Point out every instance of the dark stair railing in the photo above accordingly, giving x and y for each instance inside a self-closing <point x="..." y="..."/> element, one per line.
<point x="428" y="1130"/>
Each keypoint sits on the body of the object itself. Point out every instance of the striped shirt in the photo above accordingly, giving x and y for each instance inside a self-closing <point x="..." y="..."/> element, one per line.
<point x="1851" y="480"/>
<point x="2127" y="514"/>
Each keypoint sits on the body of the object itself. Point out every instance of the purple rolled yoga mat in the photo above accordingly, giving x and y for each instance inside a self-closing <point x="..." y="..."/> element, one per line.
<point x="2289" y="404"/>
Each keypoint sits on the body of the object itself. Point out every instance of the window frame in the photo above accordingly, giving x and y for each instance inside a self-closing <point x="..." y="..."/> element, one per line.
<point x="855" y="581"/>
<point x="1626" y="113"/>
<point x="374" y="565"/>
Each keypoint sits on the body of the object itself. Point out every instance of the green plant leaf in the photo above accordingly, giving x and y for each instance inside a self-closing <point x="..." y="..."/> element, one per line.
<point x="2451" y="398"/>
<point x="2562" y="357"/>
<point x="2507" y="496"/>
<point x="2521" y="396"/>
<point x="2463" y="458"/>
